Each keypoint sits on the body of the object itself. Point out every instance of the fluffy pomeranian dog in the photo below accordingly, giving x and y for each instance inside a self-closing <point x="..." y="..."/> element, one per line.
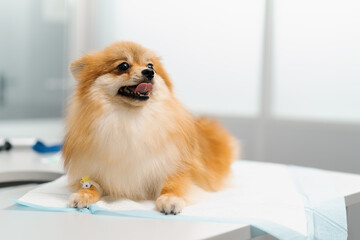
<point x="127" y="131"/>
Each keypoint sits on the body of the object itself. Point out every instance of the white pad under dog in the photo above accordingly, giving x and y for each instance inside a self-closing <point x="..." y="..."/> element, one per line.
<point x="271" y="197"/>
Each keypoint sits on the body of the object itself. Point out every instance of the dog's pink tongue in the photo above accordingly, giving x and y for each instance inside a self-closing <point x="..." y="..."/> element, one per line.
<point x="143" y="88"/>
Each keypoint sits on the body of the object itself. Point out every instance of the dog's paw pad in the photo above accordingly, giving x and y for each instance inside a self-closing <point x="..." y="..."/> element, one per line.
<point x="170" y="204"/>
<point x="80" y="200"/>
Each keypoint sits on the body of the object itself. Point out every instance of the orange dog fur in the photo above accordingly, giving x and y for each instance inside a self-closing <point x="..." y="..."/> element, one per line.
<point x="148" y="148"/>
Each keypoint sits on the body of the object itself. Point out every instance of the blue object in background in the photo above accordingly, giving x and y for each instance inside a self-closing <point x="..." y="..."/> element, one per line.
<point x="40" y="147"/>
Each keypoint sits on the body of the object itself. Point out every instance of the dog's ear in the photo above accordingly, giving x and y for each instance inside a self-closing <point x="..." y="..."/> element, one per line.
<point x="76" y="67"/>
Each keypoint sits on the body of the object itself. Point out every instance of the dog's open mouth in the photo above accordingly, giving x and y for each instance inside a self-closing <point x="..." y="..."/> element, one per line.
<point x="139" y="92"/>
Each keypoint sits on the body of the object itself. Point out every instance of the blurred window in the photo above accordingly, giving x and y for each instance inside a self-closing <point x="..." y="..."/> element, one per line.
<point x="33" y="59"/>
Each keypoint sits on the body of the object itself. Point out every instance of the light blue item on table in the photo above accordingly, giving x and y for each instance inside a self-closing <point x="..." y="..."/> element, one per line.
<point x="325" y="208"/>
<point x="287" y="202"/>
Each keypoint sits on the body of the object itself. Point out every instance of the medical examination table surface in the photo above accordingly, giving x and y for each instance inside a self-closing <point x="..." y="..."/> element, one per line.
<point x="18" y="222"/>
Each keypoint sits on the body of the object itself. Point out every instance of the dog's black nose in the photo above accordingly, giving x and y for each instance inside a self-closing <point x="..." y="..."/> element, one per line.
<point x="148" y="73"/>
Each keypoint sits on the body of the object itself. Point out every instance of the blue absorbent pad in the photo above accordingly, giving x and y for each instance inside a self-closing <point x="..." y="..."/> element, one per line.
<point x="278" y="199"/>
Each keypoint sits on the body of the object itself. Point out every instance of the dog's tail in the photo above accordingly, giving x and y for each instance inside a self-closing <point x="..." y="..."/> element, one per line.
<point x="218" y="150"/>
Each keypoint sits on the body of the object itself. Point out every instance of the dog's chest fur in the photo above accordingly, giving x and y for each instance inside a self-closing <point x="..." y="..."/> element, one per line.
<point x="134" y="152"/>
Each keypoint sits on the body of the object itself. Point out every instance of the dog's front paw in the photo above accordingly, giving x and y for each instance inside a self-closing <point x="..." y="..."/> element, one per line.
<point x="81" y="200"/>
<point x="170" y="204"/>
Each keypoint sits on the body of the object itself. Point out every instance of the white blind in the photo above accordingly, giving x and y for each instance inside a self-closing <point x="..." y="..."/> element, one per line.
<point x="317" y="60"/>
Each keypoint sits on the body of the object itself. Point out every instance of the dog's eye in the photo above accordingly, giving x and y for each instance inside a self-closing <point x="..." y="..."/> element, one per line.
<point x="123" y="66"/>
<point x="150" y="66"/>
